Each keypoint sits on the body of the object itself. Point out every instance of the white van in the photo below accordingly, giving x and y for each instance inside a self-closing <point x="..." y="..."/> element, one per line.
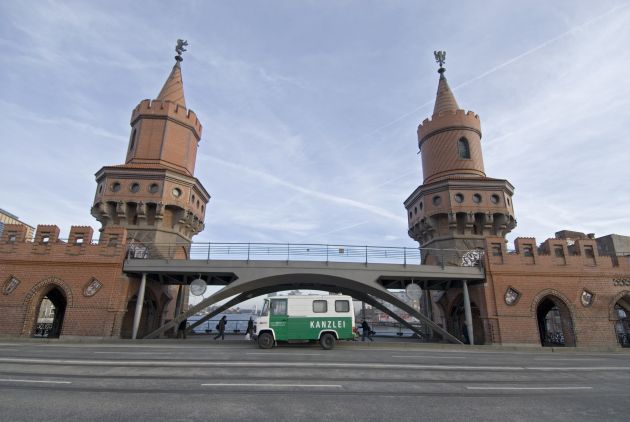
<point x="323" y="318"/>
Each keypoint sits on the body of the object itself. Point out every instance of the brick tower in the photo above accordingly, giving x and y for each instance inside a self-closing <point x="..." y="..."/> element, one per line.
<point x="457" y="205"/>
<point x="155" y="195"/>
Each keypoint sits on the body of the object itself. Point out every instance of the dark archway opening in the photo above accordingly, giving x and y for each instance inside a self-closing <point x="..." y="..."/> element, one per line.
<point x="622" y="324"/>
<point x="149" y="320"/>
<point x="50" y="314"/>
<point x="457" y="318"/>
<point x="555" y="325"/>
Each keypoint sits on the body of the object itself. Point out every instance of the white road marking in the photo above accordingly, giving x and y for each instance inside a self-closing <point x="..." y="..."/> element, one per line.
<point x="271" y="385"/>
<point x="529" y="388"/>
<point x="281" y="353"/>
<point x="134" y="353"/>
<point x="38" y="381"/>
<point x="428" y="356"/>
<point x="565" y="359"/>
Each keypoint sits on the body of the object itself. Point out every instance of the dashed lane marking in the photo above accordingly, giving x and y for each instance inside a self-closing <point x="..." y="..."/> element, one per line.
<point x="272" y="385"/>
<point x="529" y="388"/>
<point x="35" y="381"/>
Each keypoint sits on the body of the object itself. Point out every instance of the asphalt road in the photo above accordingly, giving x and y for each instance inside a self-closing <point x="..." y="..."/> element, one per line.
<point x="203" y="380"/>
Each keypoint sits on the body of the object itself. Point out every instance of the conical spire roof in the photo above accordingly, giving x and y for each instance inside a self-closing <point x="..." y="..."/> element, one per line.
<point x="173" y="89"/>
<point x="445" y="100"/>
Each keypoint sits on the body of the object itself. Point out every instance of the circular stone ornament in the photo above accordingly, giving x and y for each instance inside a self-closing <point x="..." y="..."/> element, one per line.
<point x="198" y="287"/>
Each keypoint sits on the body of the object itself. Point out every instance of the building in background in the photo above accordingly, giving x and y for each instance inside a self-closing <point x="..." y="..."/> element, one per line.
<point x="8" y="218"/>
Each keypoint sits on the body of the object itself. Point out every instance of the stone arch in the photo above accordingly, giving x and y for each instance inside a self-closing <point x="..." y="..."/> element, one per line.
<point x="32" y="300"/>
<point x="550" y="292"/>
<point x="563" y="331"/>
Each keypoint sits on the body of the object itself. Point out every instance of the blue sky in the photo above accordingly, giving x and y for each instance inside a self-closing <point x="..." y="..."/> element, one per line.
<point x="310" y="108"/>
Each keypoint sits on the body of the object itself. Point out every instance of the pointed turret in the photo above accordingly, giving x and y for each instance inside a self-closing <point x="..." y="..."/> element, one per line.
<point x="444" y="99"/>
<point x="173" y="89"/>
<point x="457" y="205"/>
<point x="155" y="194"/>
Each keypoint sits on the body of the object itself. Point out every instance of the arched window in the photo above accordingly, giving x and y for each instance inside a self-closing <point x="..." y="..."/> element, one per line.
<point x="464" y="148"/>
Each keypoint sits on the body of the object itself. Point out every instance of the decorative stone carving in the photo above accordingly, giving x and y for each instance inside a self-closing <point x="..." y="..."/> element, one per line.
<point x="10" y="285"/>
<point x="92" y="287"/>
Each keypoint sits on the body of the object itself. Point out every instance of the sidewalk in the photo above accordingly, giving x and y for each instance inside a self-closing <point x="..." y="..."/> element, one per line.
<point x="238" y="340"/>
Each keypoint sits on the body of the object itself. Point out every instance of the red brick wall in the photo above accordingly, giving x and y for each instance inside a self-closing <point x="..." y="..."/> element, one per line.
<point x="69" y="267"/>
<point x="542" y="274"/>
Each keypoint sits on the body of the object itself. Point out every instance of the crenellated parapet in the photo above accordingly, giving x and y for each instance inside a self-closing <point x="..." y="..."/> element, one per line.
<point x="48" y="246"/>
<point x="166" y="109"/>
<point x="555" y="255"/>
<point x="449" y="120"/>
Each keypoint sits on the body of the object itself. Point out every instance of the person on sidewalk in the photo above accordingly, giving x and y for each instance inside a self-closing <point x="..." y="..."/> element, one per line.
<point x="367" y="331"/>
<point x="181" y="329"/>
<point x="221" y="328"/>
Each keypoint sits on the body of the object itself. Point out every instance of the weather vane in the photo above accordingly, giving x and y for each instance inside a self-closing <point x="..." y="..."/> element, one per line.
<point x="440" y="58"/>
<point x="179" y="48"/>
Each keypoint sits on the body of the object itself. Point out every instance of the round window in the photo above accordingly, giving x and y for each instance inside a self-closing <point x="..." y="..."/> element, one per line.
<point x="437" y="200"/>
<point x="410" y="215"/>
<point x="476" y="198"/>
<point x="154" y="187"/>
<point x="115" y="187"/>
<point x="100" y="189"/>
<point x="459" y="198"/>
<point x="420" y="206"/>
<point x="135" y="187"/>
<point x="415" y="210"/>
<point x="177" y="192"/>
<point x="495" y="199"/>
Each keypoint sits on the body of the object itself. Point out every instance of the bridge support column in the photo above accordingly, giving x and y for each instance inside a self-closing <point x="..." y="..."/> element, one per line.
<point x="179" y="301"/>
<point x="428" y="305"/>
<point x="139" y="303"/>
<point x="468" y="313"/>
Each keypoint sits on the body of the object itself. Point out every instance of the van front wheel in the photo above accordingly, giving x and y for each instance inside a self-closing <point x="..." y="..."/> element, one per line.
<point x="265" y="341"/>
<point x="327" y="341"/>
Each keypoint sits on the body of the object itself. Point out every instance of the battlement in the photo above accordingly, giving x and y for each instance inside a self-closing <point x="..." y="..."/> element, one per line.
<point x="552" y="255"/>
<point x="168" y="109"/>
<point x="48" y="246"/>
<point x="456" y="119"/>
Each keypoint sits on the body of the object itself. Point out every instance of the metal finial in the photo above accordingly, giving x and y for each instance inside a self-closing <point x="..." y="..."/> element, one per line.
<point x="440" y="58"/>
<point x="179" y="48"/>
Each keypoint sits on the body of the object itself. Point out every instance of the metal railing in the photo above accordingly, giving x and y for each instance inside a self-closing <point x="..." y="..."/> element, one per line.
<point x="307" y="252"/>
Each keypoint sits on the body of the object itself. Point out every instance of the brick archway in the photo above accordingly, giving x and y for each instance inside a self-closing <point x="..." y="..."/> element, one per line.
<point x="554" y="315"/>
<point x="32" y="300"/>
<point x="611" y="306"/>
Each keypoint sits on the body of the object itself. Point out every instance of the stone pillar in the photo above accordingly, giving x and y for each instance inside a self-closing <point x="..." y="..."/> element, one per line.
<point x="139" y="303"/>
<point x="468" y="313"/>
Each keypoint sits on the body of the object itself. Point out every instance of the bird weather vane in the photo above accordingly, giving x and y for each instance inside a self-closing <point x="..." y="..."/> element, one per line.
<point x="440" y="57"/>
<point x="179" y="48"/>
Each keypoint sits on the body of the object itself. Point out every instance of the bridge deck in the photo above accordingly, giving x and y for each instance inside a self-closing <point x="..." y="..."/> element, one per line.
<point x="223" y="272"/>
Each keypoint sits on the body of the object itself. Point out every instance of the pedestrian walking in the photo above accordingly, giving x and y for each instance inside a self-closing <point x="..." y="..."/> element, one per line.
<point x="221" y="328"/>
<point x="367" y="331"/>
<point x="250" y="327"/>
<point x="181" y="329"/>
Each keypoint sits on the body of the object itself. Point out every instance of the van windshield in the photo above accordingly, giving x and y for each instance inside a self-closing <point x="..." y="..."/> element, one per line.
<point x="265" y="309"/>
